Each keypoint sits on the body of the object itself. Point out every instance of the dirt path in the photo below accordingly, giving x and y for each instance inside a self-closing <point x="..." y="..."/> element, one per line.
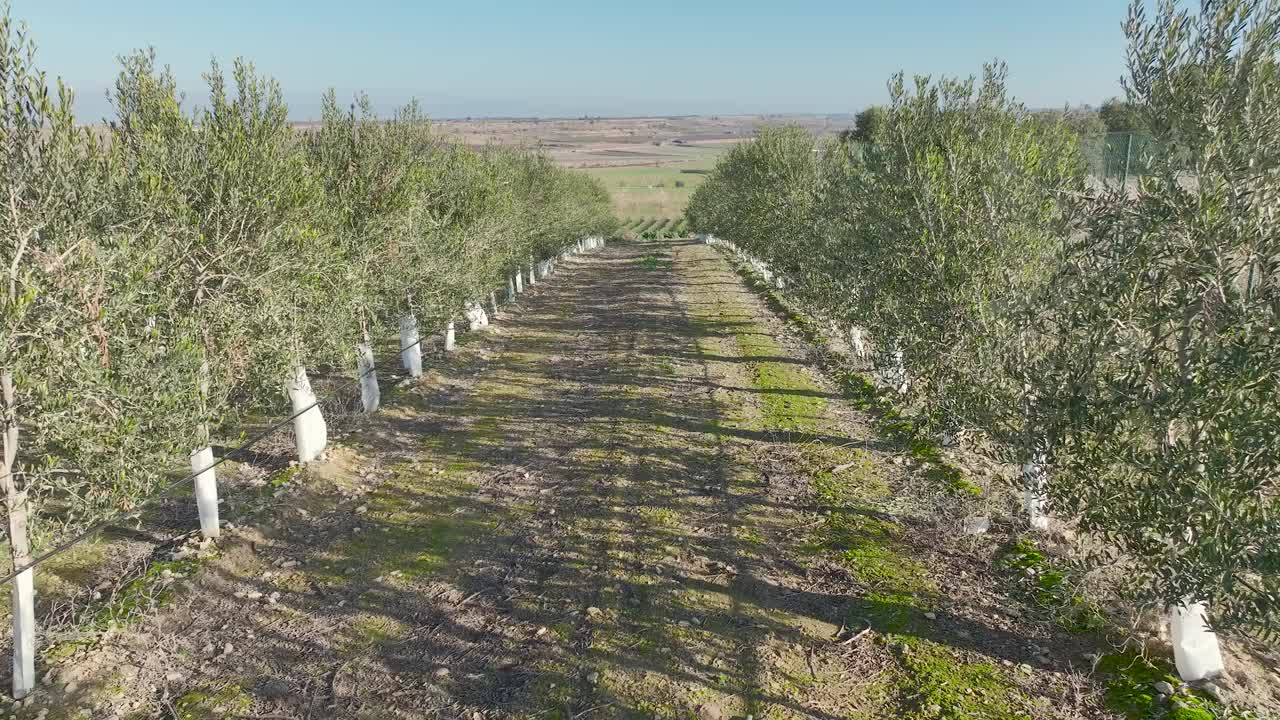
<point x="632" y="498"/>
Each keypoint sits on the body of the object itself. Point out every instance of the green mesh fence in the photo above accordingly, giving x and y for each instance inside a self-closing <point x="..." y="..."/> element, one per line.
<point x="1118" y="155"/>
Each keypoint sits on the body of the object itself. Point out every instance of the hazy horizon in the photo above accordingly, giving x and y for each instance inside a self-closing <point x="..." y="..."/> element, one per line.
<point x="500" y="59"/>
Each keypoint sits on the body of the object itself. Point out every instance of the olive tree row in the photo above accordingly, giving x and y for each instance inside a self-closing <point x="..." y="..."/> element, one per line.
<point x="183" y="267"/>
<point x="1121" y="346"/>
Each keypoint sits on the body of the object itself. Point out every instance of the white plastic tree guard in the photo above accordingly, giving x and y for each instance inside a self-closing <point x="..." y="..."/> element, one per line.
<point x="476" y="317"/>
<point x="519" y="279"/>
<point x="411" y="345"/>
<point x="206" y="489"/>
<point x="511" y="289"/>
<point x="310" y="432"/>
<point x="493" y="303"/>
<point x="450" y="339"/>
<point x="1195" y="647"/>
<point x="24" y="635"/>
<point x="370" y="393"/>
<point x="533" y="278"/>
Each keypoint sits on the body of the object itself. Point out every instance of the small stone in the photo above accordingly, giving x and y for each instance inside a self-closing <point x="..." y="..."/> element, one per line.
<point x="289" y="564"/>
<point x="1214" y="691"/>
<point x="931" y="616"/>
<point x="440" y="672"/>
<point x="1024" y="668"/>
<point x="173" y="677"/>
<point x="593" y="678"/>
<point x="362" y="509"/>
<point x="275" y="689"/>
<point x="1163" y="688"/>
<point x="593" y="611"/>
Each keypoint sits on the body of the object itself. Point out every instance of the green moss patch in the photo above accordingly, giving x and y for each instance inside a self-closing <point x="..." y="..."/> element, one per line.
<point x="153" y="589"/>
<point x="1050" y="588"/>
<point x="1131" y="679"/>
<point x="213" y="703"/>
<point x="940" y="685"/>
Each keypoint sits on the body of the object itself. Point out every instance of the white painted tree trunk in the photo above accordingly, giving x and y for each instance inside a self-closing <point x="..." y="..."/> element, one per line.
<point x="1034" y="495"/>
<point x="857" y="342"/>
<point x="450" y="340"/>
<point x="901" y="383"/>
<point x="410" y="345"/>
<point x="22" y="588"/>
<point x="533" y="278"/>
<point x="1195" y="648"/>
<point x="519" y="282"/>
<point x="310" y="433"/>
<point x="366" y="371"/>
<point x="206" y="489"/>
<point x="511" y="289"/>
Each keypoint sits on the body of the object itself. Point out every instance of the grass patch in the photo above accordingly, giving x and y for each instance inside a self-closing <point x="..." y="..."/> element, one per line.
<point x="213" y="703"/>
<point x="153" y="589"/>
<point x="367" y="630"/>
<point x="653" y="262"/>
<point x="1131" y="678"/>
<point x="412" y="524"/>
<point x="938" y="685"/>
<point x="1050" y="588"/>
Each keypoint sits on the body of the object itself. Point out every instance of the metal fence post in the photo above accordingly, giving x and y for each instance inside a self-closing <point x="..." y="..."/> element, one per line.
<point x="1128" y="155"/>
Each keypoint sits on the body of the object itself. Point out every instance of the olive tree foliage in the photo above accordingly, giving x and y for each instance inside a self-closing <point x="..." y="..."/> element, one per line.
<point x="230" y="207"/>
<point x="928" y="236"/>
<point x="163" y="281"/>
<point x="1167" y="378"/>
<point x="87" y="382"/>
<point x="866" y="124"/>
<point x="762" y="195"/>
<point x="962" y="207"/>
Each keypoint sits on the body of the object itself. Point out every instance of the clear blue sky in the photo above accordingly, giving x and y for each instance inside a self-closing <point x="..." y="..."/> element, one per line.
<point x="598" y="57"/>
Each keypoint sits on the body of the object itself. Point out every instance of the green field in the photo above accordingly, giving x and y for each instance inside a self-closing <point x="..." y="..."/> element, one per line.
<point x="663" y="191"/>
<point x="657" y="227"/>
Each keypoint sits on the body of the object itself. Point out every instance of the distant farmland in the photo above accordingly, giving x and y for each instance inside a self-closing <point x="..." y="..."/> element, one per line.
<point x="654" y="191"/>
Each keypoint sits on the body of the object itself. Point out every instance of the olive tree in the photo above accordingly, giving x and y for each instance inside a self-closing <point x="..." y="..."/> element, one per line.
<point x="1167" y="383"/>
